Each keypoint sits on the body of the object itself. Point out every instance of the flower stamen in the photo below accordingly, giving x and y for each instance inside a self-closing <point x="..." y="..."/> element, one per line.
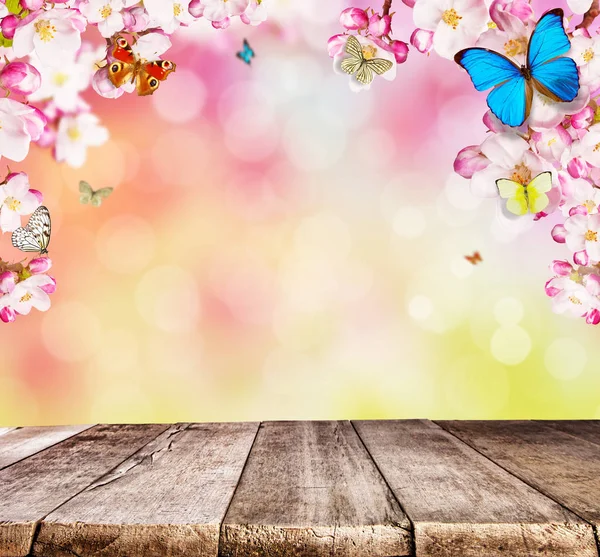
<point x="45" y="30"/>
<point x="451" y="18"/>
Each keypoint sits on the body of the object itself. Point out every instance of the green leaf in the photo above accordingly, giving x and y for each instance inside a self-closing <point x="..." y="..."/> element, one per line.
<point x="13" y="6"/>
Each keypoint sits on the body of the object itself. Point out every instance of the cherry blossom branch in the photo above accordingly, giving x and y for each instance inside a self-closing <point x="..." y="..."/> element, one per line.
<point x="387" y="6"/>
<point x="590" y="15"/>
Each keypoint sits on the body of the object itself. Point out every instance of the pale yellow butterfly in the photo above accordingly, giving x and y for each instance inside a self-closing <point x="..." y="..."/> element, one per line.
<point x="523" y="198"/>
<point x="362" y="63"/>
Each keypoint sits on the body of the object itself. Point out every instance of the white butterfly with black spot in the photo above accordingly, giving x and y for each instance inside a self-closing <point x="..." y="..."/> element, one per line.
<point x="35" y="236"/>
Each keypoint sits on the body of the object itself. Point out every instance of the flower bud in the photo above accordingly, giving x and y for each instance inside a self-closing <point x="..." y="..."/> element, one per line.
<point x="380" y="26"/>
<point x="20" y="78"/>
<point x="561" y="268"/>
<point x="470" y="160"/>
<point x="49" y="288"/>
<point x="39" y="265"/>
<point x="196" y="8"/>
<point x="400" y="50"/>
<point x="31" y="5"/>
<point x="336" y="45"/>
<point x="577" y="168"/>
<point x="581" y="258"/>
<point x="8" y="26"/>
<point x="7" y="282"/>
<point x="7" y="314"/>
<point x="550" y="289"/>
<point x="559" y="234"/>
<point x="103" y="85"/>
<point x="592" y="317"/>
<point x="583" y="118"/>
<point x="354" y="19"/>
<point x="422" y="40"/>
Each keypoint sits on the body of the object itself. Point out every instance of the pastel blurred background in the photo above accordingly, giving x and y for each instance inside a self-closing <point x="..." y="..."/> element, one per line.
<point x="278" y="247"/>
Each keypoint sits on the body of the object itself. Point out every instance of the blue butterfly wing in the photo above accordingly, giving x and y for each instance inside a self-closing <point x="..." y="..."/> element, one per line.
<point x="486" y="67"/>
<point x="558" y="77"/>
<point x="548" y="40"/>
<point x="247" y="53"/>
<point x="509" y="101"/>
<point x="489" y="69"/>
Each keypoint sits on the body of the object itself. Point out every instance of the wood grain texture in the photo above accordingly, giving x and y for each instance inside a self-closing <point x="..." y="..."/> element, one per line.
<point x="308" y="489"/>
<point x="563" y="466"/>
<point x="586" y="429"/>
<point x="21" y="443"/>
<point x="167" y="500"/>
<point x="4" y="430"/>
<point x="32" y="488"/>
<point x="461" y="504"/>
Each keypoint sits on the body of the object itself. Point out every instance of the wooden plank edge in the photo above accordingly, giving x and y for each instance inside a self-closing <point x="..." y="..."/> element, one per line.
<point x="594" y="528"/>
<point x="514" y="540"/>
<point x="239" y="540"/>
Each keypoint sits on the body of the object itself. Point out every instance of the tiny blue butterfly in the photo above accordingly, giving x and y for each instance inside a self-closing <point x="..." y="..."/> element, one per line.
<point x="246" y="54"/>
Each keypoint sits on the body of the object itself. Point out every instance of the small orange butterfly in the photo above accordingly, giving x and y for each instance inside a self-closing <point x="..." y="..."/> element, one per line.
<point x="474" y="259"/>
<point x="126" y="66"/>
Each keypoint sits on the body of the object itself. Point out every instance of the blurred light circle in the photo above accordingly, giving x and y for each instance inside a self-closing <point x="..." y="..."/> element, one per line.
<point x="461" y="268"/>
<point x="121" y="403"/>
<point x="510" y="345"/>
<point x="311" y="146"/>
<point x="458" y="193"/>
<point x="565" y="358"/>
<point x="508" y="311"/>
<point x="324" y="233"/>
<point x="71" y="332"/>
<point x="177" y="155"/>
<point x="181" y="103"/>
<point x="125" y="244"/>
<point x="167" y="298"/>
<point x="378" y="142"/>
<point x="119" y="354"/>
<point x="420" y="307"/>
<point x="409" y="222"/>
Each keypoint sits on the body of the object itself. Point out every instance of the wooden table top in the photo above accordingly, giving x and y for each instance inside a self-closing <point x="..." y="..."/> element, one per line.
<point x="301" y="489"/>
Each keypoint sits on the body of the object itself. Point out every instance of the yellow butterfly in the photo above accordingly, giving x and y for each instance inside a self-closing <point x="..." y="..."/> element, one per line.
<point x="362" y="63"/>
<point x="523" y="198"/>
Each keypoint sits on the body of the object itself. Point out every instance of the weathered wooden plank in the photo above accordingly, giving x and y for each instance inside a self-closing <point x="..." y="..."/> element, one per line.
<point x="461" y="504"/>
<point x="26" y="441"/>
<point x="167" y="500"/>
<point x="309" y="489"/>
<point x="586" y="429"/>
<point x="564" y="467"/>
<point x="32" y="488"/>
<point x="4" y="430"/>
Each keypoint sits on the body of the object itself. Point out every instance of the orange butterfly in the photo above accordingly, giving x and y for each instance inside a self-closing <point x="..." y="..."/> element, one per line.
<point x="474" y="259"/>
<point x="126" y="66"/>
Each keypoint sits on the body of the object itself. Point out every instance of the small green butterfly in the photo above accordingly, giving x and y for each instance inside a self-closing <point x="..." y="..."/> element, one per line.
<point x="362" y="61"/>
<point x="88" y="195"/>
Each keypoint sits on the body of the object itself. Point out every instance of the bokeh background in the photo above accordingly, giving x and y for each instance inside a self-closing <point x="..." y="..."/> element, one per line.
<point x="278" y="247"/>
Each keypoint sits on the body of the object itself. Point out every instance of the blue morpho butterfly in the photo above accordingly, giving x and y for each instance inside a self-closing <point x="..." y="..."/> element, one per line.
<point x="551" y="74"/>
<point x="246" y="54"/>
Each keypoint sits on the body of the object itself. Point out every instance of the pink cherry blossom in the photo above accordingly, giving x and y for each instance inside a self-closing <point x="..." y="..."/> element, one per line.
<point x="54" y="34"/>
<point x="28" y="294"/>
<point x="218" y="10"/>
<point x="582" y="234"/>
<point x="19" y="124"/>
<point x="456" y="24"/>
<point x="105" y="14"/>
<point x="16" y="200"/>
